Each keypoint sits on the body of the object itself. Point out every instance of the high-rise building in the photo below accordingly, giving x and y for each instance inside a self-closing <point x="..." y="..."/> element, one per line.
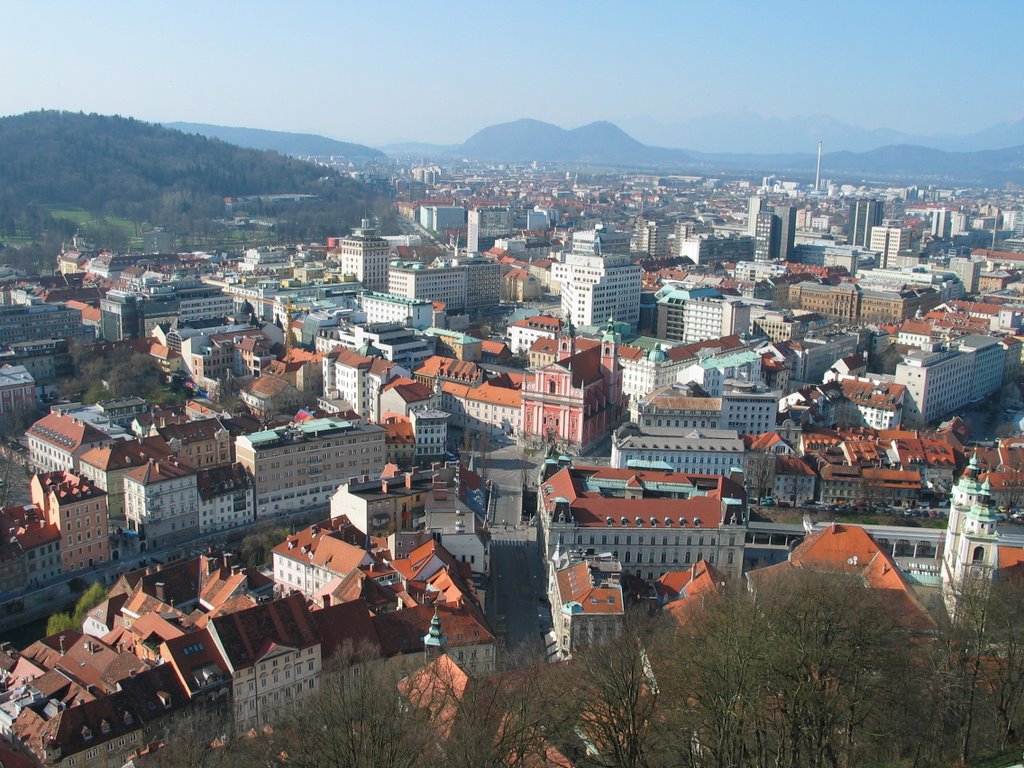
<point x="462" y="284"/>
<point x="485" y="224"/>
<point x="651" y="237"/>
<point x="755" y="205"/>
<point x="942" y="224"/>
<point x="786" y="234"/>
<point x="865" y="213"/>
<point x="968" y="270"/>
<point x="596" y="287"/>
<point x="889" y="242"/>
<point x="767" y="228"/>
<point x="365" y="254"/>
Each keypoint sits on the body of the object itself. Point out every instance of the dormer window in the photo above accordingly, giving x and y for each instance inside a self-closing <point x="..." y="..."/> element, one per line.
<point x="104" y="727"/>
<point x="86" y="733"/>
<point x="128" y="719"/>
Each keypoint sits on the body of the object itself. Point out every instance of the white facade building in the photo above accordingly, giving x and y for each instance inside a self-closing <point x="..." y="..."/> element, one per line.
<point x="712" y="318"/>
<point x="365" y="254"/>
<point x="389" y="308"/>
<point x="161" y="503"/>
<point x="595" y="287"/>
<point x="701" y="451"/>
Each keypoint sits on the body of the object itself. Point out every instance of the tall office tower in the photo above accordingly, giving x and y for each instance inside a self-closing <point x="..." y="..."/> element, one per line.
<point x="365" y="254"/>
<point x="942" y="224"/>
<point x="786" y="215"/>
<point x="651" y="237"/>
<point x="890" y="242"/>
<point x="865" y="213"/>
<point x="968" y="270"/>
<point x="755" y="205"/>
<point x="485" y="225"/>
<point x="767" y="228"/>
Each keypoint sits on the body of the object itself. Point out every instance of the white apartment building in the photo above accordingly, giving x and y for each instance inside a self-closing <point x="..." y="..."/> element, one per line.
<point x="523" y="333"/>
<point x="707" y="317"/>
<point x="461" y="284"/>
<point x="938" y="382"/>
<point x="357" y="379"/>
<point x="299" y="465"/>
<point x="749" y="407"/>
<point x="941" y="381"/>
<point x="595" y="287"/>
<point x="701" y="451"/>
<point x="365" y="254"/>
<point x="310" y="559"/>
<point x="711" y="372"/>
<point x="389" y="308"/>
<point x="393" y="341"/>
<point x="653" y="369"/>
<point x="273" y="652"/>
<point x="161" y="503"/>
<point x="890" y="242"/>
<point x="415" y="280"/>
<point x="430" y="431"/>
<point x="989" y="363"/>
<point x="225" y="498"/>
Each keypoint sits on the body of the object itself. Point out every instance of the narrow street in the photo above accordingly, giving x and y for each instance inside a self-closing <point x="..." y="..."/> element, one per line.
<point x="516" y="606"/>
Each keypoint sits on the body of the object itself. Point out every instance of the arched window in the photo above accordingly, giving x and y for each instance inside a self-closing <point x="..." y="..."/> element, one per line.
<point x="979" y="555"/>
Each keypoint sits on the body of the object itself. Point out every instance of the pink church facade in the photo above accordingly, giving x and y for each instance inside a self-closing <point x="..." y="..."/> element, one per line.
<point x="576" y="401"/>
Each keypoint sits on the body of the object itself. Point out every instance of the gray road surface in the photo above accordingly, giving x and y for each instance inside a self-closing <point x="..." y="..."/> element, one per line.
<point x="517" y="584"/>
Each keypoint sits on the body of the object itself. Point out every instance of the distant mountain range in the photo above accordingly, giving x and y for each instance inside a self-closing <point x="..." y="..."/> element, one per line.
<point x="605" y="144"/>
<point x="295" y="144"/>
<point x="745" y="131"/>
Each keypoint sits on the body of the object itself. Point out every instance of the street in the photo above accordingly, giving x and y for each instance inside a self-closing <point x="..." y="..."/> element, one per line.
<point x="514" y="607"/>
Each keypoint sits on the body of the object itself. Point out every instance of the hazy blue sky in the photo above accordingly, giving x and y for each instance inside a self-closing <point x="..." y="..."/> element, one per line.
<point x="380" y="71"/>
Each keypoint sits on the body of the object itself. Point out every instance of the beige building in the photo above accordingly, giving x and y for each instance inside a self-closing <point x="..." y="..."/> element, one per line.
<point x="890" y="242"/>
<point x="161" y="502"/>
<point x="383" y="506"/>
<point x="586" y="601"/>
<point x="204" y="442"/>
<point x="364" y="254"/>
<point x="299" y="466"/>
<point x="273" y="652"/>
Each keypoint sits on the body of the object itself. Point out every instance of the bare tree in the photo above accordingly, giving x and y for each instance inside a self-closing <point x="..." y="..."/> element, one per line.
<point x="759" y="473"/>
<point x="355" y="720"/>
<point x="621" y="715"/>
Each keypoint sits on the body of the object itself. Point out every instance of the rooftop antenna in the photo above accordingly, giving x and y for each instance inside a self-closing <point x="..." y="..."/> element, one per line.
<point x="817" y="171"/>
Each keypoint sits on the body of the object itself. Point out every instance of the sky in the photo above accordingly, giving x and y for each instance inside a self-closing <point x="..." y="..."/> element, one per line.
<point x="386" y="71"/>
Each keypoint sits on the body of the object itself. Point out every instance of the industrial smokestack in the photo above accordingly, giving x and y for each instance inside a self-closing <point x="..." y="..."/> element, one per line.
<point x="817" y="171"/>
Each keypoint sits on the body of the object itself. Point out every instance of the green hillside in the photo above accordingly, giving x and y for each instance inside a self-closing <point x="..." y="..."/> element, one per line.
<point x="61" y="172"/>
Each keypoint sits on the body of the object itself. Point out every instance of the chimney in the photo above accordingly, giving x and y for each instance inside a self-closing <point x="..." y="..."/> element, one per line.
<point x="384" y="486"/>
<point x="408" y="480"/>
<point x="228" y="558"/>
<point x="161" y="592"/>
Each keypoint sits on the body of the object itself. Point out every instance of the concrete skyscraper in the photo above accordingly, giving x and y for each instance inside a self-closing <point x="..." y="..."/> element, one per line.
<point x="365" y="254"/>
<point x="865" y="214"/>
<point x="755" y="205"/>
<point x="767" y="228"/>
<point x="783" y="247"/>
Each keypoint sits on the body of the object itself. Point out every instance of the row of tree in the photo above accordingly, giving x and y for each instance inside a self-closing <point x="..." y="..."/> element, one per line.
<point x="814" y="671"/>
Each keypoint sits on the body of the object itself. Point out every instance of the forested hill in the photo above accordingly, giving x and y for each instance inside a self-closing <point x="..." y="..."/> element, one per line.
<point x="115" y="166"/>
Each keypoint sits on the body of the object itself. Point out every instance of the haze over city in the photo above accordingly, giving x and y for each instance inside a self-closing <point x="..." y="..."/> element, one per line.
<point x="918" y="68"/>
<point x="567" y="385"/>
